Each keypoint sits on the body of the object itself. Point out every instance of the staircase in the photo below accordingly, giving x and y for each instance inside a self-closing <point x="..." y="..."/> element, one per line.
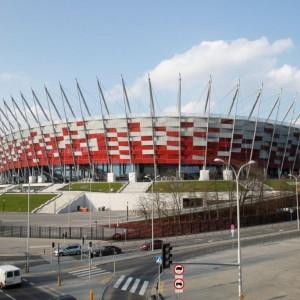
<point x="55" y="205"/>
<point x="54" y="188"/>
<point x="136" y="187"/>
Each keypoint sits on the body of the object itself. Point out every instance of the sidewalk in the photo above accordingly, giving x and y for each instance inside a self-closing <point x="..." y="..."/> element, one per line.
<point x="270" y="271"/>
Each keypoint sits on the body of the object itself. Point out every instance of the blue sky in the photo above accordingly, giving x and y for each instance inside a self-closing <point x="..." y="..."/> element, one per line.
<point x="46" y="41"/>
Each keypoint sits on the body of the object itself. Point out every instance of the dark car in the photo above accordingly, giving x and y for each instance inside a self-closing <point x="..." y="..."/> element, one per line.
<point x="157" y="244"/>
<point x="107" y="250"/>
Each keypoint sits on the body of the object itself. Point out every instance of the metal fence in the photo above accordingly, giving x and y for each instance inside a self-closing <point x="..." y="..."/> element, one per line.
<point x="48" y="232"/>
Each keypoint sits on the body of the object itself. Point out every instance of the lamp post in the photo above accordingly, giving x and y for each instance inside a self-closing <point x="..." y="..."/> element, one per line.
<point x="96" y="228"/>
<point x="109" y="211"/>
<point x="152" y="210"/>
<point x="28" y="228"/>
<point x="90" y="205"/>
<point x="69" y="220"/>
<point x="296" y="182"/>
<point x="239" y="254"/>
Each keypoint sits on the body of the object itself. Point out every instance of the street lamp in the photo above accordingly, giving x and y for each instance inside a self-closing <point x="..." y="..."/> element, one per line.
<point x="152" y="210"/>
<point x="96" y="228"/>
<point x="109" y="211"/>
<point x="90" y="204"/>
<point x="69" y="203"/>
<point x="296" y="181"/>
<point x="237" y="175"/>
<point x="28" y="227"/>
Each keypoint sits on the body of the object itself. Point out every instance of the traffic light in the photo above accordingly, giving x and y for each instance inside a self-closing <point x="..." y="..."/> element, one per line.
<point x="167" y="255"/>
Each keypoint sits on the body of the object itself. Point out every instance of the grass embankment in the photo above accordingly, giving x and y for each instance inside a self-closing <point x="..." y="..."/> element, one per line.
<point x="94" y="187"/>
<point x="281" y="184"/>
<point x="193" y="186"/>
<point x="18" y="202"/>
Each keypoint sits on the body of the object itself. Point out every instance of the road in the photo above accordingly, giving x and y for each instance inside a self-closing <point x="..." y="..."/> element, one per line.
<point x="136" y="271"/>
<point x="270" y="271"/>
<point x="132" y="275"/>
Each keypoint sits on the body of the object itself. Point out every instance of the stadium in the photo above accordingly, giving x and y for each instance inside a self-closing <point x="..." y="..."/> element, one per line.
<point x="39" y="145"/>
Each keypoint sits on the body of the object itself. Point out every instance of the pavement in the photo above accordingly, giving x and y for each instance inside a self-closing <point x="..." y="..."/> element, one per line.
<point x="270" y="271"/>
<point x="75" y="219"/>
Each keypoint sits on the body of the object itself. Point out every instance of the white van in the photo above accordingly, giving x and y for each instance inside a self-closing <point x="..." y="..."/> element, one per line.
<point x="9" y="275"/>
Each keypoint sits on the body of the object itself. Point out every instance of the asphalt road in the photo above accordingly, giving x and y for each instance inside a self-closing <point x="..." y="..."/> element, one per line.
<point x="132" y="274"/>
<point x="25" y="291"/>
<point x="135" y="277"/>
<point x="270" y="271"/>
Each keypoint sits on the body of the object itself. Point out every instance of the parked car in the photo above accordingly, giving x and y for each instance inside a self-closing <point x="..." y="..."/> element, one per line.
<point x="10" y="275"/>
<point x="157" y="244"/>
<point x="107" y="250"/>
<point x="74" y="249"/>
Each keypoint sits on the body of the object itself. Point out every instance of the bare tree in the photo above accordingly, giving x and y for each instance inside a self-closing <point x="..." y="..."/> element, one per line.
<point x="144" y="207"/>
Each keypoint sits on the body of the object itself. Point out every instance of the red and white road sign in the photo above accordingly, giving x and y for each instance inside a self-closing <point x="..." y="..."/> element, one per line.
<point x="179" y="284"/>
<point x="178" y="269"/>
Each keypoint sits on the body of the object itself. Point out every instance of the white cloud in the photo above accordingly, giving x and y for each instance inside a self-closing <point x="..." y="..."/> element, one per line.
<point x="286" y="76"/>
<point x="251" y="60"/>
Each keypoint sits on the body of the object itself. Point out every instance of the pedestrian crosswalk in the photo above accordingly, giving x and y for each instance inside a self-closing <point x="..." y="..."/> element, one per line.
<point x="93" y="272"/>
<point x="133" y="285"/>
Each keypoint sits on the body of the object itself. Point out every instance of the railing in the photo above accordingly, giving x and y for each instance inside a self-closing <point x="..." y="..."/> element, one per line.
<point x="48" y="232"/>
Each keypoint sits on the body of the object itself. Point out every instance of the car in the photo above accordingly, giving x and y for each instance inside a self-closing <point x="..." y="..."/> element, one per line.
<point x="157" y="244"/>
<point x="107" y="250"/>
<point x="74" y="249"/>
<point x="10" y="275"/>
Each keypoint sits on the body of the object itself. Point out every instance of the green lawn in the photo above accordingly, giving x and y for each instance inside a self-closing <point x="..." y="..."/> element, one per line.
<point x="281" y="184"/>
<point x="193" y="186"/>
<point x="18" y="202"/>
<point x="94" y="186"/>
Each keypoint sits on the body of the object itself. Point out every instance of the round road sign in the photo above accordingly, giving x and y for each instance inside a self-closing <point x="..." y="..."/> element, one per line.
<point x="179" y="269"/>
<point x="179" y="284"/>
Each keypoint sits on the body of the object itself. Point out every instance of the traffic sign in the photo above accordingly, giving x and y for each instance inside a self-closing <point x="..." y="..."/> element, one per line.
<point x="158" y="260"/>
<point x="178" y="269"/>
<point x="179" y="284"/>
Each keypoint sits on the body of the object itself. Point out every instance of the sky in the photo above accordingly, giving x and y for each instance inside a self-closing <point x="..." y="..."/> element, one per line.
<point x="255" y="42"/>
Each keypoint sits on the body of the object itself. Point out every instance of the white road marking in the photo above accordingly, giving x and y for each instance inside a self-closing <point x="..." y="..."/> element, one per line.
<point x="117" y="284"/>
<point x="143" y="288"/>
<point x="94" y="273"/>
<point x="135" y="285"/>
<point x="86" y="272"/>
<point x="10" y="297"/>
<point x="80" y="270"/>
<point x="49" y="290"/>
<point x="125" y="286"/>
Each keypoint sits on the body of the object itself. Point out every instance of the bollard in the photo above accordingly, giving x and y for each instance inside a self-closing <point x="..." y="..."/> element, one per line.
<point x="91" y="294"/>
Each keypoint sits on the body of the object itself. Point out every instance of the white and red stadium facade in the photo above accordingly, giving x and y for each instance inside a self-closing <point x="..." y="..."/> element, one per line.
<point x="105" y="148"/>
